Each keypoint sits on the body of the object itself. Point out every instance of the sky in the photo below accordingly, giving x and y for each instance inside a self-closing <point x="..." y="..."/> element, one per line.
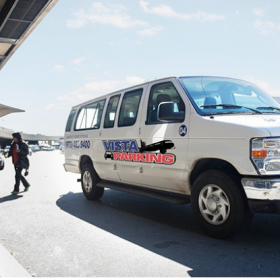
<point x="84" y="49"/>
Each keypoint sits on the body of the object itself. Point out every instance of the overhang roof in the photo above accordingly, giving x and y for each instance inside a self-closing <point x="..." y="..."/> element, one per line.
<point x="18" y="18"/>
<point x="5" y="110"/>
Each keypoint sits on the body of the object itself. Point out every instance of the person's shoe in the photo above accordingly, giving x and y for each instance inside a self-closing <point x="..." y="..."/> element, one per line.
<point x="26" y="188"/>
<point x="14" y="192"/>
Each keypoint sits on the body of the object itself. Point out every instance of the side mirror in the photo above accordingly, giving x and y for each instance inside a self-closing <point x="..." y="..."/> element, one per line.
<point x="166" y="112"/>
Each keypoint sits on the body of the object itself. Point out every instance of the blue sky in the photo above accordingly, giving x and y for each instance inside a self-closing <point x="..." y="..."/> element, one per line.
<point x="84" y="49"/>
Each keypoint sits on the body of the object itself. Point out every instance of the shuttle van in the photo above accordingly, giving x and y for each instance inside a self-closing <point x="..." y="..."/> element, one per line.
<point x="210" y="141"/>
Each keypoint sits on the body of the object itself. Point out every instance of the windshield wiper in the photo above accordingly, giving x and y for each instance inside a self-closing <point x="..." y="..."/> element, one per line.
<point x="232" y="106"/>
<point x="268" y="108"/>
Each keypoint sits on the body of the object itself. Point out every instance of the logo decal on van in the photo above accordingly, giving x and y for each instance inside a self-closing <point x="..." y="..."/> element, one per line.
<point x="183" y="130"/>
<point x="128" y="150"/>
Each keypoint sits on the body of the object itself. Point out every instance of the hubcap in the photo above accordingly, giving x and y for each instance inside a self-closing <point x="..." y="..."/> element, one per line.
<point x="214" y="204"/>
<point x="87" y="181"/>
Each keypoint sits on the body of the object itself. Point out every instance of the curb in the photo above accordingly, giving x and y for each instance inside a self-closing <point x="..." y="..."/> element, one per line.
<point x="9" y="266"/>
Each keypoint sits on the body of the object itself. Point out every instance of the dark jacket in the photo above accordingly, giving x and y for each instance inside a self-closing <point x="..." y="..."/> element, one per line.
<point x="23" y="151"/>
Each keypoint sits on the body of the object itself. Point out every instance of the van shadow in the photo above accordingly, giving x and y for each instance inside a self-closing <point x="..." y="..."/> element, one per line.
<point x="171" y="231"/>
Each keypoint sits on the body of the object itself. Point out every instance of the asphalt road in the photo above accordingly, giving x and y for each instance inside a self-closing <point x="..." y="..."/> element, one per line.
<point x="53" y="231"/>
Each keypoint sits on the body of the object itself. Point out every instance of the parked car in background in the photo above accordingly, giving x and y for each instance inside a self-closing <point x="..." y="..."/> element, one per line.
<point x="48" y="148"/>
<point x="61" y="147"/>
<point x="2" y="162"/>
<point x="6" y="150"/>
<point x="32" y="147"/>
<point x="37" y="148"/>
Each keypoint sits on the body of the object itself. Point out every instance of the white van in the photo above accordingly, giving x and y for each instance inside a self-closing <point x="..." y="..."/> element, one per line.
<point x="211" y="141"/>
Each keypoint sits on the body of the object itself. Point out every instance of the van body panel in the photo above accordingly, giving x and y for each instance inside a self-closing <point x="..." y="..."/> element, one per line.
<point x="72" y="155"/>
<point x="225" y="139"/>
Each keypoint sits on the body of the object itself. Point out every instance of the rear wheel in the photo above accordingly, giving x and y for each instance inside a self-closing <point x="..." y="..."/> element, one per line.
<point x="89" y="180"/>
<point x="219" y="204"/>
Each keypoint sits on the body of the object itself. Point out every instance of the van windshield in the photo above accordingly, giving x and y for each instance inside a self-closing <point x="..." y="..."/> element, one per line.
<point x="215" y="95"/>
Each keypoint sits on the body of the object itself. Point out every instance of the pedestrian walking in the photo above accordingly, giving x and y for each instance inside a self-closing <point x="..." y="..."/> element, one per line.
<point x="19" y="151"/>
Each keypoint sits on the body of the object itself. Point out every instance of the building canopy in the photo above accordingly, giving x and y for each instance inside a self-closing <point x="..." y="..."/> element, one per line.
<point x="18" y="18"/>
<point x="5" y="110"/>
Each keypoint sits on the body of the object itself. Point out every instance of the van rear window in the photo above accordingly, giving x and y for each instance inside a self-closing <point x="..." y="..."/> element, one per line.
<point x="89" y="116"/>
<point x="111" y="111"/>
<point x="70" y="120"/>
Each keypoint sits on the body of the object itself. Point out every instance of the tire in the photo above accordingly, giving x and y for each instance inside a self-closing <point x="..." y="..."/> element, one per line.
<point x="219" y="204"/>
<point x="89" y="179"/>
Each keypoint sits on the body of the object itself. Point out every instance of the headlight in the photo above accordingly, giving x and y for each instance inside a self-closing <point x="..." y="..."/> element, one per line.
<point x="265" y="154"/>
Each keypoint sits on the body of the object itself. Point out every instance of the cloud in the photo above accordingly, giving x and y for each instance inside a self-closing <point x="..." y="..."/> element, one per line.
<point x="150" y="31"/>
<point x="54" y="107"/>
<point x="133" y="80"/>
<point x="259" y="12"/>
<point x="266" y="26"/>
<point x="78" y="61"/>
<point x="167" y="11"/>
<point x="92" y="90"/>
<point x="79" y="20"/>
<point x="59" y="67"/>
<point x="111" y="15"/>
<point x="237" y="13"/>
<point x="114" y="15"/>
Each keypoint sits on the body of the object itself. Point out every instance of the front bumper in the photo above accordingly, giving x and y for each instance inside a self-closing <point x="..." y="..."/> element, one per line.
<point x="263" y="194"/>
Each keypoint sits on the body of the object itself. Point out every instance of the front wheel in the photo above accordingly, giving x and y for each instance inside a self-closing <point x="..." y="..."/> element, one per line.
<point x="219" y="204"/>
<point x="89" y="180"/>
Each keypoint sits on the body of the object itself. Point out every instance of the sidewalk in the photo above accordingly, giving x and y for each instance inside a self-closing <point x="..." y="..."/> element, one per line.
<point x="9" y="266"/>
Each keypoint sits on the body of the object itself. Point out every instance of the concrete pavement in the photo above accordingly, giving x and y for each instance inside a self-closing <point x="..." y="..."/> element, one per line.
<point x="9" y="266"/>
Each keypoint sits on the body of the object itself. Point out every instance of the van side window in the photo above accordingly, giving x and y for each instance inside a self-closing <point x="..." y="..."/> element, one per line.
<point x="164" y="92"/>
<point x="129" y="107"/>
<point x="111" y="111"/>
<point x="89" y="116"/>
<point x="70" y="120"/>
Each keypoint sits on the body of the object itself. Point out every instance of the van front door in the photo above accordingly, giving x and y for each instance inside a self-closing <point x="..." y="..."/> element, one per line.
<point x="165" y="144"/>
